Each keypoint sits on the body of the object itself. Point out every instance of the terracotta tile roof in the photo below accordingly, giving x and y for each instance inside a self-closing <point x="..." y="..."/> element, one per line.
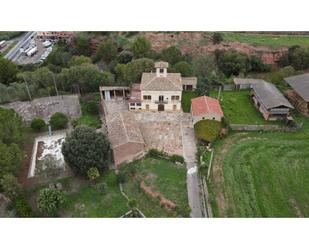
<point x="152" y="82"/>
<point x="204" y="105"/>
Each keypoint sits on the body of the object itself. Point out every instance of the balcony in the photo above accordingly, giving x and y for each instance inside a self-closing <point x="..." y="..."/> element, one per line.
<point x="161" y="102"/>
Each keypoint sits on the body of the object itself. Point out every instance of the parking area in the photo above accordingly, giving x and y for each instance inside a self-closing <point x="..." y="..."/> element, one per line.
<point x="35" y="52"/>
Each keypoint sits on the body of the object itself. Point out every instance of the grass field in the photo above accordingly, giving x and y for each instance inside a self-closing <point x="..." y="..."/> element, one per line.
<point x="90" y="120"/>
<point x="186" y="100"/>
<point x="261" y="175"/>
<point x="268" y="39"/>
<point x="238" y="108"/>
<point x="162" y="176"/>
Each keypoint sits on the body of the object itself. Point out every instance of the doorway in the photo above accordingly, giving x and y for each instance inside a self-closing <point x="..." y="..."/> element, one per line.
<point x="160" y="107"/>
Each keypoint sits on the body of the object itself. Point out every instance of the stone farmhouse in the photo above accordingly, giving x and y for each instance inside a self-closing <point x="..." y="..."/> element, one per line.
<point x="300" y="94"/>
<point x="157" y="91"/>
<point x="205" y="107"/>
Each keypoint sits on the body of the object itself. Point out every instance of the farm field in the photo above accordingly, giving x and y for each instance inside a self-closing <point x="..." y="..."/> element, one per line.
<point x="268" y="39"/>
<point x="261" y="175"/>
<point x="162" y="176"/>
<point x="238" y="108"/>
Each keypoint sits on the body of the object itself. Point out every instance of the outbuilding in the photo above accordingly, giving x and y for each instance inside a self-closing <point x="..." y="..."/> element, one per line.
<point x="205" y="107"/>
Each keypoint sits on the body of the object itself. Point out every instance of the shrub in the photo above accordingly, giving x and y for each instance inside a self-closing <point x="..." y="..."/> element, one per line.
<point x="38" y="124"/>
<point x="92" y="108"/>
<point x="207" y="130"/>
<point x="93" y="173"/>
<point x="156" y="153"/>
<point x="59" y="121"/>
<point x="217" y="38"/>
<point x="10" y="186"/>
<point x="177" y="158"/>
<point x="50" y="200"/>
<point x="121" y="177"/>
<point x="22" y="208"/>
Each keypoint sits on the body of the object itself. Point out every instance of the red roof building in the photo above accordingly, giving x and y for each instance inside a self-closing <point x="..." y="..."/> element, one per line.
<point x="205" y="107"/>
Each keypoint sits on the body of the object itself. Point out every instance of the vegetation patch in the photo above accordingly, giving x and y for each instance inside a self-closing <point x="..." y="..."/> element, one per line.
<point x="186" y="100"/>
<point x="207" y="130"/>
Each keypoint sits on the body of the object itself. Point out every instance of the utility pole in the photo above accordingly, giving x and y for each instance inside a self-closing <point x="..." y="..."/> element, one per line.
<point x="27" y="88"/>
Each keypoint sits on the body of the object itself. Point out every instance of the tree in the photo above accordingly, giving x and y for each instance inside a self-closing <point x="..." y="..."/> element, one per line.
<point x="232" y="63"/>
<point x="79" y="60"/>
<point x="82" y="44"/>
<point x="10" y="158"/>
<point x="38" y="124"/>
<point x="108" y="79"/>
<point x="258" y="66"/>
<point x="107" y="51"/>
<point x="132" y="72"/>
<point x="125" y="57"/>
<point x="11" y="126"/>
<point x="141" y="47"/>
<point x="8" y="71"/>
<point x="184" y="68"/>
<point x="84" y="147"/>
<point x="93" y="173"/>
<point x="50" y="200"/>
<point x="58" y="121"/>
<point x="203" y="66"/>
<point x="217" y="38"/>
<point x="42" y="77"/>
<point x="171" y="54"/>
<point x="10" y="186"/>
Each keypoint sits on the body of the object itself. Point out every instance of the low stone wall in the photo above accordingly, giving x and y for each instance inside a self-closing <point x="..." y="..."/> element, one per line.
<point x="239" y="127"/>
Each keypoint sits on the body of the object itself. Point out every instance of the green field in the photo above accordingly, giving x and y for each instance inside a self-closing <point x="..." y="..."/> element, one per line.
<point x="186" y="100"/>
<point x="268" y="39"/>
<point x="90" y="120"/>
<point x="238" y="108"/>
<point x="261" y="175"/>
<point x="162" y="176"/>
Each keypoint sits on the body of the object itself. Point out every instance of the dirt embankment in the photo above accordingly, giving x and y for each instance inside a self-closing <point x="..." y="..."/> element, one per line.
<point x="200" y="42"/>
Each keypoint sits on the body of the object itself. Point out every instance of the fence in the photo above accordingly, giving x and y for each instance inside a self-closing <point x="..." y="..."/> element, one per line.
<point x="238" y="127"/>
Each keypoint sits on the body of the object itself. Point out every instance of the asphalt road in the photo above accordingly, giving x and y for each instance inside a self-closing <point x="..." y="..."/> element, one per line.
<point x="189" y="152"/>
<point x="14" y="53"/>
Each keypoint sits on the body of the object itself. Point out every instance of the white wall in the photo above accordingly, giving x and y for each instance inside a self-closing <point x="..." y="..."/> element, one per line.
<point x="209" y="116"/>
<point x="167" y="97"/>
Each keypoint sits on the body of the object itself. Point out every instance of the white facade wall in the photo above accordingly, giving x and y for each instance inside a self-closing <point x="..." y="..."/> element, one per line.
<point x="209" y="116"/>
<point x="169" y="106"/>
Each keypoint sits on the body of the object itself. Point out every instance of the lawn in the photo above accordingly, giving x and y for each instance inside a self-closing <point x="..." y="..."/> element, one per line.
<point x="90" y="120"/>
<point x="162" y="176"/>
<point x="261" y="175"/>
<point x="268" y="39"/>
<point x="207" y="130"/>
<point x="84" y="200"/>
<point x="238" y="108"/>
<point x="186" y="100"/>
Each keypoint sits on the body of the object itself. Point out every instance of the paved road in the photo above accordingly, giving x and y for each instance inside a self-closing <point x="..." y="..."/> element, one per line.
<point x="14" y="53"/>
<point x="189" y="152"/>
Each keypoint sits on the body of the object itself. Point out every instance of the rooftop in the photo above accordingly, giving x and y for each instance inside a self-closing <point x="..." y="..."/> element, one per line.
<point x="205" y="105"/>
<point x="270" y="96"/>
<point x="245" y="81"/>
<point x="123" y="128"/>
<point x="152" y="82"/>
<point x="161" y="64"/>
<point x="189" y="80"/>
<point x="300" y="83"/>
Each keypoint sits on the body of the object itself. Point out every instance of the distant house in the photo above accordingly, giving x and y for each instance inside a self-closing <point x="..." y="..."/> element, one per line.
<point x="246" y="83"/>
<point x="205" y="107"/>
<point x="270" y="101"/>
<point x="125" y="136"/>
<point x="300" y="85"/>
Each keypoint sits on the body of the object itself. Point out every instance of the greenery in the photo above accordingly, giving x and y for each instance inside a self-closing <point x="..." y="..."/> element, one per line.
<point x="58" y="121"/>
<point x="7" y="35"/>
<point x="162" y="176"/>
<point x="90" y="120"/>
<point x="184" y="68"/>
<point x="22" y="208"/>
<point x="263" y="176"/>
<point x="50" y="201"/>
<point x="92" y="107"/>
<point x="90" y="114"/>
<point x="272" y="40"/>
<point x="107" y="51"/>
<point x="48" y="168"/>
<point x="217" y="38"/>
<point x="297" y="57"/>
<point x="82" y="44"/>
<point x="172" y="55"/>
<point x="8" y="71"/>
<point x="79" y="60"/>
<point x="207" y="130"/>
<point x="238" y="108"/>
<point x="141" y="47"/>
<point x="203" y="66"/>
<point x="11" y="126"/>
<point x="38" y="124"/>
<point x="93" y="173"/>
<point x="84" y="148"/>
<point x="10" y="186"/>
<point x="186" y="100"/>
